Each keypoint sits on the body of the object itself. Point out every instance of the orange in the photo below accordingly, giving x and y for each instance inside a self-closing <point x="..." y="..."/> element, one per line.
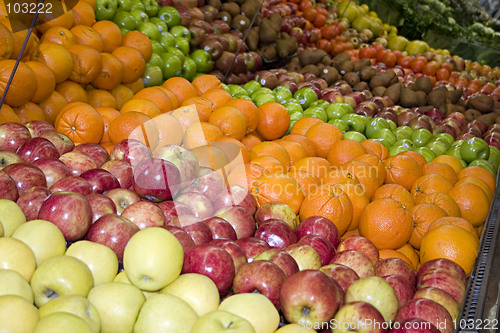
<point x="7" y="44"/>
<point x="157" y="96"/>
<point x="473" y="202"/>
<point x="234" y="149"/>
<point x="23" y="86"/>
<point x="429" y="184"/>
<point x="219" y="97"/>
<point x="423" y="215"/>
<point x="171" y="95"/>
<point x="56" y="57"/>
<point x="359" y="201"/>
<point x="307" y="181"/>
<point x="245" y="175"/>
<point x="278" y="187"/>
<point x="344" y="151"/>
<point x="305" y="142"/>
<point x="186" y="116"/>
<point x="249" y="110"/>
<point x="122" y="94"/>
<point x="330" y="202"/>
<point x="396" y="192"/>
<point x="110" y="34"/>
<point x="107" y="114"/>
<point x="450" y="242"/>
<point x="324" y="135"/>
<point x="475" y="171"/>
<point x="273" y="149"/>
<point x="230" y="120"/>
<point x="318" y="166"/>
<point x="135" y="85"/>
<point x="391" y="253"/>
<point x="338" y="175"/>
<point x="133" y="125"/>
<point x="447" y="203"/>
<point x="8" y="115"/>
<point x="451" y="161"/>
<point x="349" y="233"/>
<point x="87" y="63"/>
<point x="45" y="80"/>
<point x="274" y="120"/>
<point x="111" y="72"/>
<point x="212" y="157"/>
<point x="81" y="123"/>
<point x="402" y="170"/>
<point x="366" y="174"/>
<point x="181" y="87"/>
<point x="411" y="254"/>
<point x="52" y="106"/>
<point x="20" y="34"/>
<point x="83" y="14"/>
<point x="294" y="149"/>
<point x="386" y="223"/>
<point x="375" y="148"/>
<point x="302" y="125"/>
<point x="203" y="105"/>
<point x="59" y="35"/>
<point x="442" y="169"/>
<point x="28" y="112"/>
<point x="72" y="91"/>
<point x="452" y="220"/>
<point x="101" y="97"/>
<point x="52" y="18"/>
<point x="375" y="162"/>
<point x="200" y="134"/>
<point x="140" y="42"/>
<point x="479" y="182"/>
<point x="133" y="63"/>
<point x="205" y="82"/>
<point x="169" y="129"/>
<point x="270" y="163"/>
<point x="250" y="140"/>
<point x="92" y="3"/>
<point x="416" y="156"/>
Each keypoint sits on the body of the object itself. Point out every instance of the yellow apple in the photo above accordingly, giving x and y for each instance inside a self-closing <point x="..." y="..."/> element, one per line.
<point x="295" y="328"/>
<point x="219" y="321"/>
<point x="12" y="283"/>
<point x="61" y="275"/>
<point x="118" y="305"/>
<point x="17" y="256"/>
<point x="256" y="308"/>
<point x="153" y="258"/>
<point x="165" y="313"/>
<point x="197" y="290"/>
<point x="1" y="229"/>
<point x="62" y="322"/>
<point x="77" y="305"/>
<point x="122" y="277"/>
<point x="102" y="261"/>
<point x="43" y="237"/>
<point x="11" y="216"/>
<point x="17" y="314"/>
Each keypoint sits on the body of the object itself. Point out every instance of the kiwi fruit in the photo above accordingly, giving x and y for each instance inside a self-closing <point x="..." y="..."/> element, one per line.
<point x="313" y="69"/>
<point x="226" y="17"/>
<point x="379" y="80"/>
<point x="311" y="56"/>
<point x="378" y="91"/>
<point x="276" y="19"/>
<point x="266" y="33"/>
<point x="422" y="97"/>
<point x="454" y="95"/>
<point x="346" y="67"/>
<point x="294" y="66"/>
<point x="487" y="119"/>
<point x="361" y="85"/>
<point x="352" y="78"/>
<point x="249" y="8"/>
<point x="268" y="52"/>
<point x="240" y="22"/>
<point x="391" y="76"/>
<point x="340" y="58"/>
<point x="358" y="65"/>
<point x="366" y="73"/>
<point x="408" y="98"/>
<point x="231" y="7"/>
<point x="326" y="60"/>
<point x="394" y="92"/>
<point x="285" y="47"/>
<point x="422" y="84"/>
<point x="437" y="97"/>
<point x="329" y="74"/>
<point x="252" y="40"/>
<point x="482" y="103"/>
<point x="215" y="3"/>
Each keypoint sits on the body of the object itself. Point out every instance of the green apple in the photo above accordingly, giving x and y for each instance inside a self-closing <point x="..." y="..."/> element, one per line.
<point x="340" y="124"/>
<point x="353" y="135"/>
<point x="294" y="107"/>
<point x="17" y="256"/>
<point x="355" y="122"/>
<point x="138" y="5"/>
<point x="197" y="290"/>
<point x="337" y="110"/>
<point x="384" y="133"/>
<point x="165" y="313"/>
<point x="219" y="321"/>
<point x="189" y="69"/>
<point x="149" y="29"/>
<point x="438" y="146"/>
<point x="485" y="165"/>
<point x="392" y="125"/>
<point x="58" y="276"/>
<point x="140" y="16"/>
<point x="282" y="93"/>
<point x="172" y="50"/>
<point x="62" y="322"/>
<point x="454" y="151"/>
<point x="155" y="59"/>
<point x="254" y="307"/>
<point x="167" y="39"/>
<point x="11" y="216"/>
<point x="427" y="153"/>
<point x="183" y="45"/>
<point x="316" y="112"/>
<point x="420" y="137"/>
<point x="235" y="89"/>
<point x="105" y="9"/>
<point x="162" y="26"/>
<point x="101" y="260"/>
<point x="403" y="132"/>
<point x="263" y="98"/>
<point x="448" y="138"/>
<point x="396" y="149"/>
<point x="494" y="158"/>
<point x="14" y="284"/>
<point x="374" y="125"/>
<point x="118" y="305"/>
<point x="17" y="314"/>
<point x="124" y="5"/>
<point x="151" y="7"/>
<point x="172" y="65"/>
<point x="165" y="258"/>
<point x="383" y="141"/>
<point x="289" y="100"/>
<point x="261" y="90"/>
<point x="181" y="32"/>
<point x="295" y="116"/>
<point x="305" y="96"/>
<point x="203" y="60"/>
<point x="474" y="149"/>
<point x="125" y="20"/>
<point x="152" y="76"/>
<point x="78" y="305"/>
<point x="251" y="86"/>
<point x="321" y="103"/>
<point x="169" y="15"/>
<point x="43" y="237"/>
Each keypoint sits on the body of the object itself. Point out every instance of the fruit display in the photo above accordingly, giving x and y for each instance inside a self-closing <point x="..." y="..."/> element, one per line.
<point x="256" y="167"/>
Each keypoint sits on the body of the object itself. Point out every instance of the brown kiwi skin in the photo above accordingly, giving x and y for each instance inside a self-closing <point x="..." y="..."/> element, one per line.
<point x="379" y="80"/>
<point x="352" y="78"/>
<point x="379" y="91"/>
<point x="471" y="114"/>
<point x="482" y="103"/>
<point x="361" y="85"/>
<point x="366" y="73"/>
<point x="231" y="7"/>
<point x="487" y="119"/>
<point x="311" y="56"/>
<point x="313" y="69"/>
<point x="394" y="92"/>
<point x="408" y="98"/>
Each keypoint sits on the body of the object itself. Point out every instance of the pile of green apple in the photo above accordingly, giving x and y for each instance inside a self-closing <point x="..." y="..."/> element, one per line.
<point x="170" y="40"/>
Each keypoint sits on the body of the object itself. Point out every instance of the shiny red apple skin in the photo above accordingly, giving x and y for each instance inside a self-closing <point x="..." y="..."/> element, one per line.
<point x="395" y="266"/>
<point x="37" y="148"/>
<point x="31" y="200"/>
<point x="13" y="135"/>
<point x="8" y="189"/>
<point x="241" y="220"/>
<point x="25" y="176"/>
<point x="428" y="310"/>
<point x="234" y="250"/>
<point x="252" y="247"/>
<point x="359" y="262"/>
<point x="319" y="226"/>
<point x="122" y="170"/>
<point x="181" y="235"/>
<point x="212" y="261"/>
<point x="53" y="169"/>
<point x="113" y="231"/>
<point x="200" y="204"/>
<point x="361" y="316"/>
<point x="172" y="209"/>
<point x="402" y="288"/>
<point x="208" y="183"/>
<point x="199" y="232"/>
<point x="9" y="157"/>
<point x="184" y="159"/>
<point x="260" y="276"/>
<point x="70" y="212"/>
<point x="236" y="195"/>
<point x="345" y="276"/>
<point x="61" y="141"/>
<point x="183" y="220"/>
<point x="156" y="179"/>
<point x="445" y="264"/>
<point x="37" y="127"/>
<point x="442" y="279"/>
<point x="78" y="162"/>
<point x="220" y="228"/>
<point x="130" y="150"/>
<point x="72" y="184"/>
<point x="122" y="198"/>
<point x="415" y="325"/>
<point x="101" y="205"/>
<point x="276" y="233"/>
<point x="361" y="244"/>
<point x="323" y="246"/>
<point x="100" y="180"/>
<point x="282" y="259"/>
<point x="97" y="152"/>
<point x="276" y="210"/>
<point x="144" y="214"/>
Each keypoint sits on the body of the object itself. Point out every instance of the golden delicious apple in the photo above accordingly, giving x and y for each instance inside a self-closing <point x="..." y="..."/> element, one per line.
<point x="62" y="322"/>
<point x="12" y="283"/>
<point x="1" y="229"/>
<point x="43" y="237"/>
<point x="17" y="256"/>
<point x="122" y="277"/>
<point x="219" y="321"/>
<point x="295" y="328"/>
<point x="17" y="314"/>
<point x="11" y="216"/>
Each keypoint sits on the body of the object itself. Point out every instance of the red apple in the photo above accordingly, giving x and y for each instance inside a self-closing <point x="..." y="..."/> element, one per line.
<point x="322" y="245"/>
<point x="276" y="210"/>
<point x="281" y="258"/>
<point x="241" y="220"/>
<point x="208" y="183"/>
<point x="200" y="205"/>
<point x="98" y="153"/>
<point x="359" y="317"/>
<point x="156" y="179"/>
<point x="8" y="189"/>
<point x="53" y="169"/>
<point x="122" y="170"/>
<point x="181" y="235"/>
<point x="319" y="226"/>
<point x="144" y="214"/>
<point x="9" y="157"/>
<point x="37" y="148"/>
<point x="37" y="127"/>
<point x="130" y="150"/>
<point x="61" y="141"/>
<point x="220" y="228"/>
<point x="403" y="289"/>
<point x="276" y="233"/>
<point x="31" y="200"/>
<point x="344" y="275"/>
<point x="25" y="176"/>
<point x="442" y="297"/>
<point x="395" y="266"/>
<point x="72" y="184"/>
<point x="445" y="264"/>
<point x="444" y="280"/>
<point x="122" y="198"/>
<point x="359" y="262"/>
<point x="252" y="247"/>
<point x="428" y="310"/>
<point x="360" y="244"/>
<point x="101" y="205"/>
<point x="234" y="250"/>
<point x="236" y="195"/>
<point x="172" y="209"/>
<point x="13" y="135"/>
<point x="70" y="212"/>
<point x="199" y="232"/>
<point x="185" y="161"/>
<point x="414" y="325"/>
<point x="100" y="180"/>
<point x="113" y="231"/>
<point x="78" y="162"/>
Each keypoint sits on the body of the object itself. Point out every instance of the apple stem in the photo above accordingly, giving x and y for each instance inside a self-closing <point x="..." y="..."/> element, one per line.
<point x="305" y="311"/>
<point x="51" y="294"/>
